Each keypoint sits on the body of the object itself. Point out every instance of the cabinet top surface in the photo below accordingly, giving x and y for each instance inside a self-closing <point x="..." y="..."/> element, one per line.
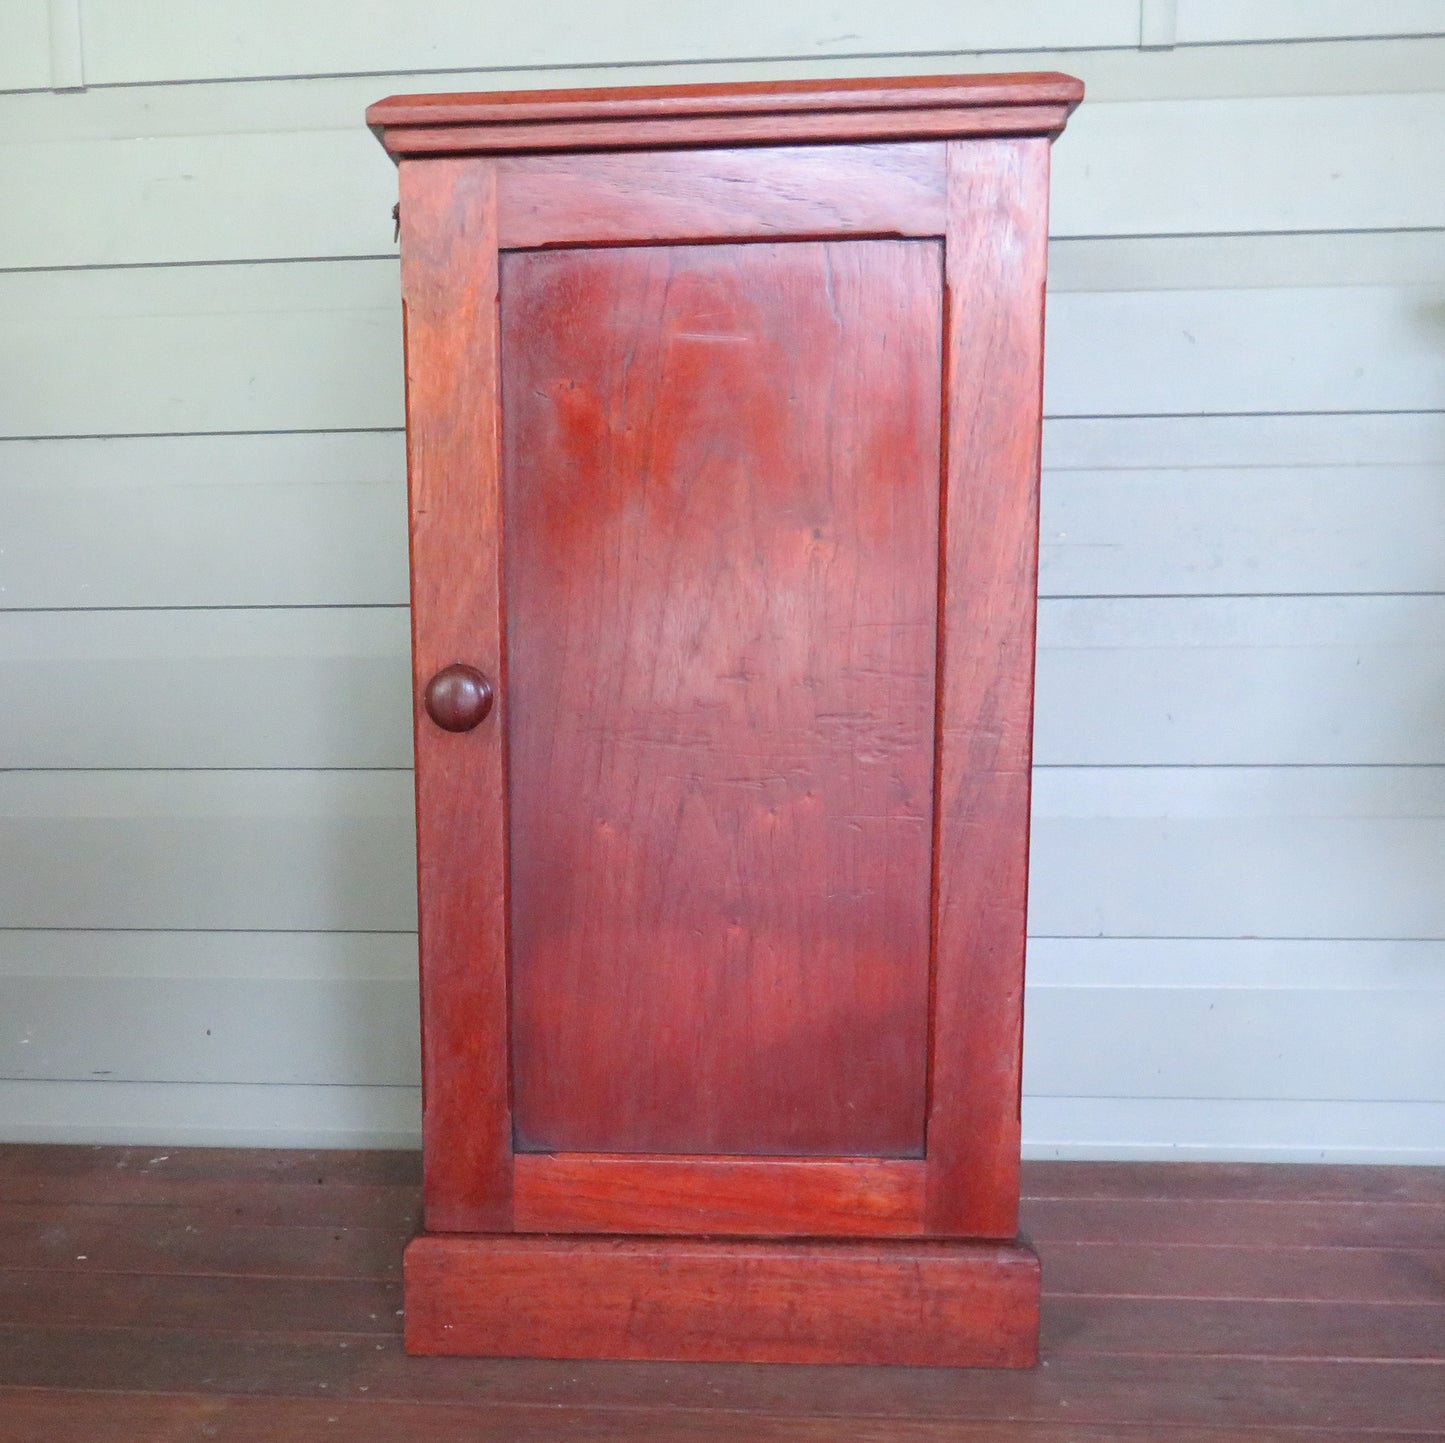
<point x="755" y="112"/>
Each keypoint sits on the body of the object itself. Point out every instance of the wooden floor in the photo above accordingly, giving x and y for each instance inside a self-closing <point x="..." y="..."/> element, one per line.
<point x="153" y="1297"/>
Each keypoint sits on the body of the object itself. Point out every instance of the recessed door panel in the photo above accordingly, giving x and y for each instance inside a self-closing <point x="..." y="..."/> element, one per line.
<point x="721" y="479"/>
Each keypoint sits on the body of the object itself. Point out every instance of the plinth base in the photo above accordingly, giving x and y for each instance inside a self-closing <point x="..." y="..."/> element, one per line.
<point x="935" y="1303"/>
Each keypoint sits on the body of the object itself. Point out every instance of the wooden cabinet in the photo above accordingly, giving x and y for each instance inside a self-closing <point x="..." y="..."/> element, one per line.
<point x="723" y="433"/>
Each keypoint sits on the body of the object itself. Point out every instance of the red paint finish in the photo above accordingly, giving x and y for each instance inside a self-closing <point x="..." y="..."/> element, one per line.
<point x="449" y="285"/>
<point x="723" y="412"/>
<point x="458" y="698"/>
<point x="607" y="1193"/>
<point x="761" y="112"/>
<point x="698" y="1300"/>
<point x="770" y="193"/>
<point x="997" y="240"/>
<point x="720" y="475"/>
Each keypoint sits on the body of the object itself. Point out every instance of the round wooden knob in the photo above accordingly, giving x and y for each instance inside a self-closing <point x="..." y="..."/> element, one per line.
<point x="458" y="697"/>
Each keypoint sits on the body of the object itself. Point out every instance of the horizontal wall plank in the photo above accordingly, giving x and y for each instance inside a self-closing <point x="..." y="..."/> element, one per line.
<point x="231" y="348"/>
<point x="1140" y="168"/>
<point x="1238" y="852"/>
<point x="1269" y="528"/>
<point x="1187" y="506"/>
<point x="317" y="347"/>
<point x="199" y="1114"/>
<point x="1204" y="443"/>
<point x="244" y="850"/>
<point x="279" y="520"/>
<point x="1271" y="681"/>
<point x="1232" y="1130"/>
<point x="1292" y="162"/>
<point x="1214" y="22"/>
<point x="1235" y="963"/>
<point x="240" y="107"/>
<point x="329" y="957"/>
<point x="208" y="197"/>
<point x="328" y="687"/>
<point x="1254" y="262"/>
<point x="1358" y="348"/>
<point x="130" y="42"/>
<point x="235" y="42"/>
<point x="1087" y="962"/>
<point x="211" y="1029"/>
<point x="1212" y="1017"/>
<point x="1219" y="1043"/>
<point x="25" y="55"/>
<point x="1134" y="852"/>
<point x="1202" y="1019"/>
<point x="1154" y="681"/>
<point x="1261" y="1043"/>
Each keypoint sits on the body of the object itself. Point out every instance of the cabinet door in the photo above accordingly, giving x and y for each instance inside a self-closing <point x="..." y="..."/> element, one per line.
<point x="723" y="469"/>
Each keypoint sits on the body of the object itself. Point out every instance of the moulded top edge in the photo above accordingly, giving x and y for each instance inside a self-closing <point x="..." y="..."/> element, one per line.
<point x="505" y="120"/>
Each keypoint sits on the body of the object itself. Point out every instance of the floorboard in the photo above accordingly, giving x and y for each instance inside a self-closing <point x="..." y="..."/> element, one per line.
<point x="238" y="1295"/>
<point x="179" y="1418"/>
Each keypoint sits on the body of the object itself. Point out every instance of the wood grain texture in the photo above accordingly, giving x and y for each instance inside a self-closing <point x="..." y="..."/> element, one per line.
<point x="123" y="1418"/>
<point x="773" y="112"/>
<point x="711" y="195"/>
<point x="918" y="1304"/>
<point x="1078" y="1325"/>
<point x="1282" y="1182"/>
<point x="1319" y="1224"/>
<point x="998" y="227"/>
<point x="721" y="586"/>
<point x="449" y="285"/>
<point x="1242" y="1271"/>
<point x="1227" y="1328"/>
<point x="765" y="873"/>
<point x="1155" y="1394"/>
<point x="43" y="1298"/>
<point x="578" y="1193"/>
<point x="192" y="1316"/>
<point x="89" y="1238"/>
<point x="414" y="141"/>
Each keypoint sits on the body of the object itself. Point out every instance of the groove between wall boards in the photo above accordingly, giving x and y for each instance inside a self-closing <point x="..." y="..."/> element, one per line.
<point x="608" y="67"/>
<point x="1062" y="238"/>
<point x="1102" y="416"/>
<point x="1037" y="767"/>
<point x="413" y="1087"/>
<point x="811" y="59"/>
<point x="272" y="431"/>
<point x="1130" y="937"/>
<point x="1061" y="596"/>
<point x="229" y="931"/>
<point x="108" y="1081"/>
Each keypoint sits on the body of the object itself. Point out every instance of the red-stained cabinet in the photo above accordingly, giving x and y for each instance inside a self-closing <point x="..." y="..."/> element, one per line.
<point x="723" y="434"/>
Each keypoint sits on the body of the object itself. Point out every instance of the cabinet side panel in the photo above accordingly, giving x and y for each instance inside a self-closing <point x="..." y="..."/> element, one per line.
<point x="721" y="475"/>
<point x="449" y="286"/>
<point x="996" y="245"/>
